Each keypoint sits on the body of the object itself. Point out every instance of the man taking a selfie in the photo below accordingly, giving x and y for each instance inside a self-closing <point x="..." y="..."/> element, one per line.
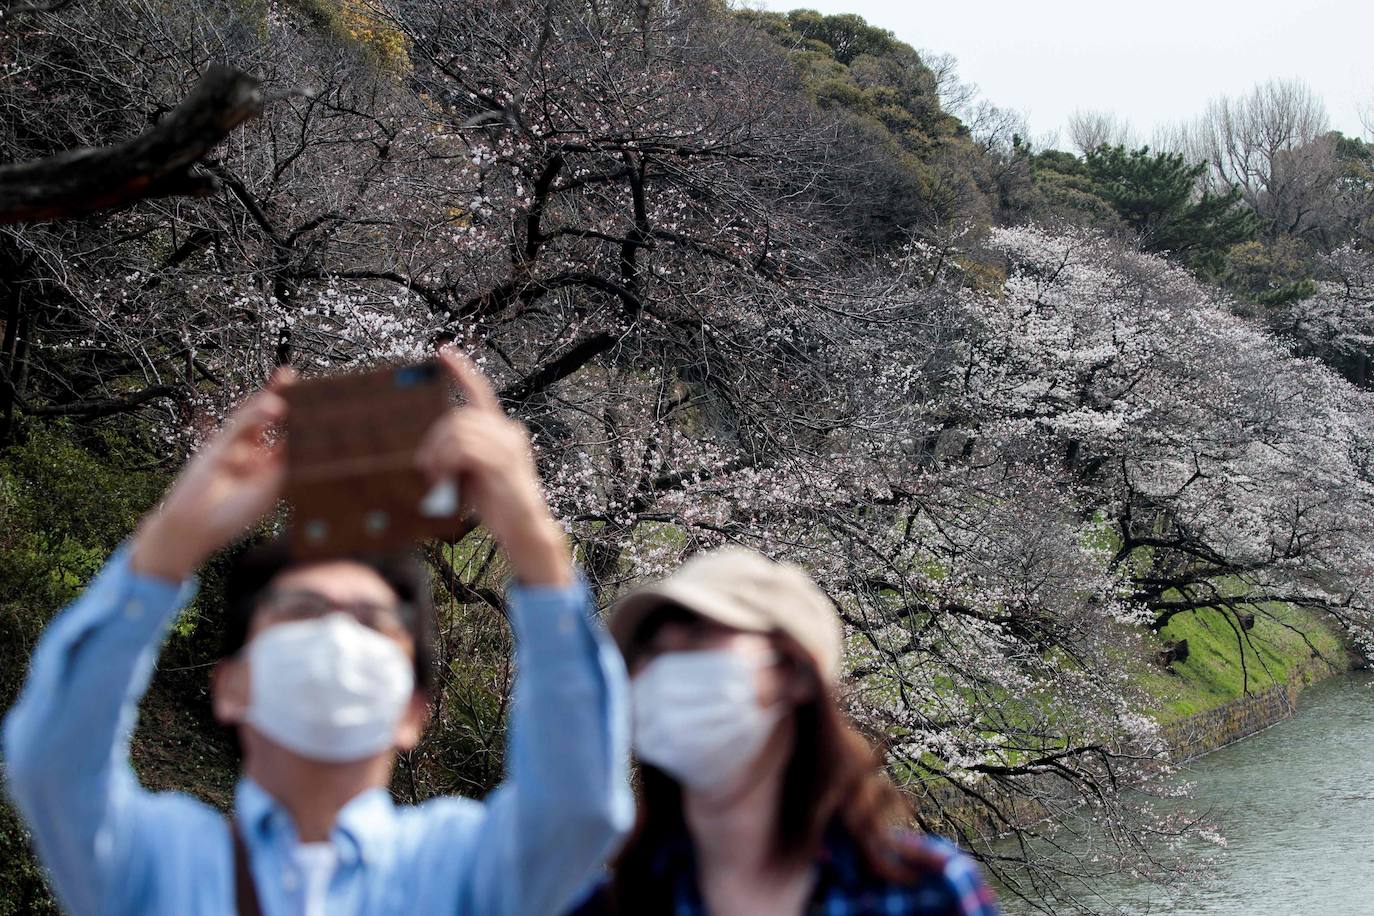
<point x="328" y="681"/>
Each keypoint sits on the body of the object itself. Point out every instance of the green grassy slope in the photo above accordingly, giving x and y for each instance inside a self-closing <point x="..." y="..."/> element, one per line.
<point x="1286" y="645"/>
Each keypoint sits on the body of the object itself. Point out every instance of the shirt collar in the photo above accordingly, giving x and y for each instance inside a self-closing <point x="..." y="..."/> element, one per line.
<point x="361" y="831"/>
<point x="838" y="861"/>
<point x="674" y="857"/>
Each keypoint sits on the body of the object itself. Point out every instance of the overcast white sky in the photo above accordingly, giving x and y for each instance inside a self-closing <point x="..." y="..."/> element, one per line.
<point x="1150" y="63"/>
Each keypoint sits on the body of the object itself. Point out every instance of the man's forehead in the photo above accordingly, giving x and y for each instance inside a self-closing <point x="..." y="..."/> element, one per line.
<point x="344" y="580"/>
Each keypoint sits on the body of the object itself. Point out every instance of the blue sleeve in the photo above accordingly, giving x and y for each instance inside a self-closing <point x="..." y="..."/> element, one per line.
<point x="66" y="740"/>
<point x="566" y="800"/>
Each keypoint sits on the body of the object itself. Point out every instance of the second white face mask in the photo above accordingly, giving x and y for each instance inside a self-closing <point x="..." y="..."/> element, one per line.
<point x="329" y="689"/>
<point x="697" y="715"/>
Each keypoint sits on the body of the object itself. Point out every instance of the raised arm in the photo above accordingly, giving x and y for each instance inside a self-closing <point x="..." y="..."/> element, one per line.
<point x="66" y="740"/>
<point x="566" y="800"/>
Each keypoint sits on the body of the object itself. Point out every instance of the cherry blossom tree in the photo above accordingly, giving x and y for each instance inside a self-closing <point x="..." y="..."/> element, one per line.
<point x="1006" y="455"/>
<point x="1336" y="325"/>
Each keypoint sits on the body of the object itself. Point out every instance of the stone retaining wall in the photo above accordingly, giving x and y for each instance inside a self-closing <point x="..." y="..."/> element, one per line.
<point x="1244" y="716"/>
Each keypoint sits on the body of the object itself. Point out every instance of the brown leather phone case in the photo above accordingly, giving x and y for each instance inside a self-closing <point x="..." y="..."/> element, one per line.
<point x="351" y="478"/>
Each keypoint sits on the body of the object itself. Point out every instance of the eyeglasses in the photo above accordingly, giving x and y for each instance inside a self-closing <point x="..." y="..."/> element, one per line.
<point x="284" y="606"/>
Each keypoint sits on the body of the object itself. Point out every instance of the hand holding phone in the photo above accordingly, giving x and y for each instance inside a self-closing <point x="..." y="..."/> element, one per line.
<point x="491" y="454"/>
<point x="231" y="482"/>
<point x="382" y="459"/>
<point x="351" y="477"/>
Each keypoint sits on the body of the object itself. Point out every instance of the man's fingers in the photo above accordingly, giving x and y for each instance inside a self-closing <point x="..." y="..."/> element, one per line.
<point x="260" y="409"/>
<point x="431" y="446"/>
<point x="441" y="452"/>
<point x="282" y="377"/>
<point x="254" y="415"/>
<point x="476" y="387"/>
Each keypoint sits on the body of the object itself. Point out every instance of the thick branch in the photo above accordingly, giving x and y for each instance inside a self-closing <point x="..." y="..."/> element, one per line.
<point x="104" y="407"/>
<point x="32" y="9"/>
<point x="554" y="371"/>
<point x="157" y="163"/>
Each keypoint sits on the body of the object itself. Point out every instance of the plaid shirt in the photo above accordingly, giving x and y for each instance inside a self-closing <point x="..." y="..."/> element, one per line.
<point x="952" y="886"/>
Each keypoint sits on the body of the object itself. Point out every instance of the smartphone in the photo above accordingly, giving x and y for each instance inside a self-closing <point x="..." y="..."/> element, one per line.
<point x="351" y="479"/>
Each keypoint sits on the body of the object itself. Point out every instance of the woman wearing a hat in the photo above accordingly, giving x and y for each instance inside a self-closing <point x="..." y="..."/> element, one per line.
<point x="757" y="797"/>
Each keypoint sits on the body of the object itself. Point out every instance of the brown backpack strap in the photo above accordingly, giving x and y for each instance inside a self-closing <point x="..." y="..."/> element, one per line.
<point x="245" y="892"/>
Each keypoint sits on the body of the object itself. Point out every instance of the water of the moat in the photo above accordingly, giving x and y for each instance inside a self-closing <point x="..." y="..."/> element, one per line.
<point x="1296" y="805"/>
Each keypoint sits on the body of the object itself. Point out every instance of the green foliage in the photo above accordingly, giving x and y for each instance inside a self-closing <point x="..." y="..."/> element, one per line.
<point x="463" y="748"/>
<point x="854" y="67"/>
<point x="1270" y="273"/>
<point x="846" y="35"/>
<point x="1155" y="194"/>
<point x="1065" y="193"/>
<point x="67" y="499"/>
<point x="1356" y="157"/>
<point x="23" y="890"/>
<point x="1355" y="182"/>
<point x="358" y="23"/>
<point x="914" y="161"/>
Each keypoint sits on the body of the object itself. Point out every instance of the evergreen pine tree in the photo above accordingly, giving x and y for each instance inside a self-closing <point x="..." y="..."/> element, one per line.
<point x="1156" y="194"/>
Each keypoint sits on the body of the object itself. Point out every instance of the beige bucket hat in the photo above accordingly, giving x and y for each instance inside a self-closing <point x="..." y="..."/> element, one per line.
<point x="745" y="590"/>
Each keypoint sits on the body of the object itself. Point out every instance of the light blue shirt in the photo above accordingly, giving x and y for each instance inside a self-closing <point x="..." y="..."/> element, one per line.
<point x="113" y="847"/>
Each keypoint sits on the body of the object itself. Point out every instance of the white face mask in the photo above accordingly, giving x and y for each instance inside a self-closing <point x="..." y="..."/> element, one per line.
<point x="697" y="715"/>
<point x="329" y="688"/>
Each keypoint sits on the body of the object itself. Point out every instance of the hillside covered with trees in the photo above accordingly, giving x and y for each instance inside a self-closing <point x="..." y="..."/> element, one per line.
<point x="778" y="280"/>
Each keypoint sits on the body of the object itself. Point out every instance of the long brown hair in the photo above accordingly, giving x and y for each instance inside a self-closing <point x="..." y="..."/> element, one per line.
<point x="833" y="777"/>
